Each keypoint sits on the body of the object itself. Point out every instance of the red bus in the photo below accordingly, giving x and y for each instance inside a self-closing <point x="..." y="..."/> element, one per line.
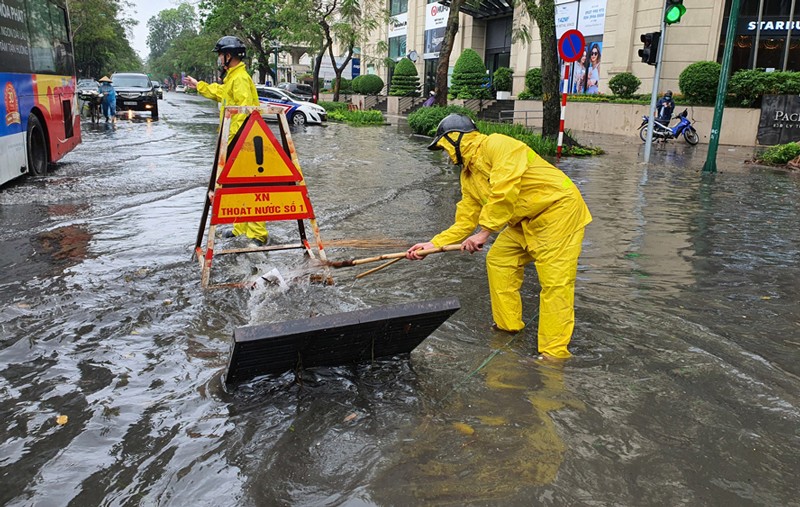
<point x="40" y="120"/>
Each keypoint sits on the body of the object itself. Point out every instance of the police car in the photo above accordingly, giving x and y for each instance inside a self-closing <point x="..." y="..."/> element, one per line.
<point x="298" y="111"/>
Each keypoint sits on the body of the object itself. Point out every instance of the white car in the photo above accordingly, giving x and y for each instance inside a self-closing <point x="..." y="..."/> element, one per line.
<point x="298" y="111"/>
<point x="180" y="89"/>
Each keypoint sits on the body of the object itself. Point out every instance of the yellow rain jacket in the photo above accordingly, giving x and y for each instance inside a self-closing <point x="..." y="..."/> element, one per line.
<point x="237" y="89"/>
<point x="540" y="214"/>
<point x="504" y="182"/>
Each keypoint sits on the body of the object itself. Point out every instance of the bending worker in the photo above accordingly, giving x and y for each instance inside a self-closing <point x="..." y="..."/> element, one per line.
<point x="237" y="89"/>
<point x="540" y="216"/>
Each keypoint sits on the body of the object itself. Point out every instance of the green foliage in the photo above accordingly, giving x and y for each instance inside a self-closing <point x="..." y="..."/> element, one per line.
<point x="533" y="85"/>
<point x="469" y="77"/>
<point x="357" y="118"/>
<point x="698" y="82"/>
<point x="333" y="106"/>
<point x="346" y="86"/>
<point x="502" y="79"/>
<point x="405" y="80"/>
<point x="167" y="25"/>
<point x="780" y="154"/>
<point x="355" y="84"/>
<point x="544" y="146"/>
<point x="746" y="87"/>
<point x="624" y="84"/>
<point x="368" y="84"/>
<point x="188" y="53"/>
<point x="425" y="120"/>
<point x="100" y="38"/>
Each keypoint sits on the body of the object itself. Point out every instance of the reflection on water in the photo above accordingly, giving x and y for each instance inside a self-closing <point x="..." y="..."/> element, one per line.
<point x="683" y="388"/>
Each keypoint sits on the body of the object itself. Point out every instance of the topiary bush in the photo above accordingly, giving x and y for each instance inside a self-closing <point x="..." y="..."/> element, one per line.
<point x="746" y="87"/>
<point x="624" y="85"/>
<point x="405" y="80"/>
<point x="346" y="86"/>
<point x="469" y="77"/>
<point x="368" y="84"/>
<point x="533" y="85"/>
<point x="425" y="120"/>
<point x="502" y="79"/>
<point x="698" y="82"/>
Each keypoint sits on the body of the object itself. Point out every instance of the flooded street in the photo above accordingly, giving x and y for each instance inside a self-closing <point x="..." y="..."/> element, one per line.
<point x="684" y="388"/>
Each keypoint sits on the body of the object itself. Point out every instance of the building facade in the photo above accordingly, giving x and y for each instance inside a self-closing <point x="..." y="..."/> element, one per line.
<point x="612" y="30"/>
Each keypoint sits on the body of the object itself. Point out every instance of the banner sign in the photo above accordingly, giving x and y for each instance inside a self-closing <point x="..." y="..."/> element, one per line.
<point x="780" y="120"/>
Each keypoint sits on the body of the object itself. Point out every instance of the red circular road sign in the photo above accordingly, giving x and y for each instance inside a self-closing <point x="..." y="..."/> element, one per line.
<point x="570" y="45"/>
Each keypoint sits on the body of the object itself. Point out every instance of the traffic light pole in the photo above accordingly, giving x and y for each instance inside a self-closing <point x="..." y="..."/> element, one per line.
<point x="654" y="95"/>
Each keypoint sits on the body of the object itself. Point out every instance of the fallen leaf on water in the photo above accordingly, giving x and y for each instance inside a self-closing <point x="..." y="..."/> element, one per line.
<point x="24" y="306"/>
<point x="466" y="429"/>
<point x="167" y="302"/>
<point x="62" y="420"/>
<point x="764" y="298"/>
<point x="350" y="417"/>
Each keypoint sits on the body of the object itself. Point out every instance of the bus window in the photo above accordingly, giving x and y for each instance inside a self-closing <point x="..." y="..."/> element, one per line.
<point x="42" y="49"/>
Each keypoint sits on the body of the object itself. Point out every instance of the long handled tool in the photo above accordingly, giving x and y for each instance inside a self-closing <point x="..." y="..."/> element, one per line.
<point x="397" y="255"/>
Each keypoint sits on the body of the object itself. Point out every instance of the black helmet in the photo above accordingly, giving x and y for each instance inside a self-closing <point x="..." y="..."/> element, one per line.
<point x="668" y="94"/>
<point x="453" y="122"/>
<point x="231" y="45"/>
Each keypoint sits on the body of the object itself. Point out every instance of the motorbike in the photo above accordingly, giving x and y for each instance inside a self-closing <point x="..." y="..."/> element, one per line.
<point x="663" y="132"/>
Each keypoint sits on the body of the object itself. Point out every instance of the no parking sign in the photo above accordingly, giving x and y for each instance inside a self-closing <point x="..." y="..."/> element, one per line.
<point x="570" y="49"/>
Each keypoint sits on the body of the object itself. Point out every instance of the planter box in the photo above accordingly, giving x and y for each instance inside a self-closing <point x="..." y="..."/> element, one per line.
<point x="739" y="126"/>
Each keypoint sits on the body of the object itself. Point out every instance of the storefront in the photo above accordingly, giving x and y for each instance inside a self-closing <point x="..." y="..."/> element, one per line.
<point x="763" y="28"/>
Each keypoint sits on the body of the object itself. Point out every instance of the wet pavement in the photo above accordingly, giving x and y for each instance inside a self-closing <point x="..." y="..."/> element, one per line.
<point x="683" y="389"/>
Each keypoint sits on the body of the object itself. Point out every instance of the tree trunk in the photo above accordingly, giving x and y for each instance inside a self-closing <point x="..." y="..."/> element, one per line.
<point x="545" y="17"/>
<point x="338" y="70"/>
<point x="450" y="32"/>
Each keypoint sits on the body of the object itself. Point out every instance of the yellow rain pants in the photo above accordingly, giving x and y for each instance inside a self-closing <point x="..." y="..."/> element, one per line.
<point x="237" y="89"/>
<point x="506" y="186"/>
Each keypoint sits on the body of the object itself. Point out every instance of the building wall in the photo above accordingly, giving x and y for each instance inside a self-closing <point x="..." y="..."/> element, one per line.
<point x="695" y="38"/>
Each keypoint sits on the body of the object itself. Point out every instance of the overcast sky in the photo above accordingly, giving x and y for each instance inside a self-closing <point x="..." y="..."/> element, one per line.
<point x="141" y="11"/>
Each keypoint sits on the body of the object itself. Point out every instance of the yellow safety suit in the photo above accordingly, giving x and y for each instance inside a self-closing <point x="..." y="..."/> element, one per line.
<point x="506" y="186"/>
<point x="237" y="89"/>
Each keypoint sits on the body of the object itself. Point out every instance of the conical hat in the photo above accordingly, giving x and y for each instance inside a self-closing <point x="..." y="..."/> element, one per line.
<point x="104" y="79"/>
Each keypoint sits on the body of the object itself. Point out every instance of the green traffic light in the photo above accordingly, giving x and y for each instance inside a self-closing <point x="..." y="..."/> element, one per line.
<point x="674" y="13"/>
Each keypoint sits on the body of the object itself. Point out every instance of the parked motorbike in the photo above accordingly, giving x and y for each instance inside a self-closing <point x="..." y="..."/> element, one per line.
<point x="663" y="132"/>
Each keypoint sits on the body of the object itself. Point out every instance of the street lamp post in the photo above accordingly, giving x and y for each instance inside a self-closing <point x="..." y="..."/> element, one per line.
<point x="277" y="45"/>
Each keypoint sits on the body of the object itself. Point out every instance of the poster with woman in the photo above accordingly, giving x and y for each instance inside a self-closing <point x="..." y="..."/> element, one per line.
<point x="593" y="72"/>
<point x="579" y="75"/>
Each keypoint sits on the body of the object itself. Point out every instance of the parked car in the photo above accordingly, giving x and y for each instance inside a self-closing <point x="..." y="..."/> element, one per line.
<point x="180" y="88"/>
<point x="303" y="91"/>
<point x="87" y="84"/>
<point x="159" y="90"/>
<point x="298" y="111"/>
<point x="135" y="92"/>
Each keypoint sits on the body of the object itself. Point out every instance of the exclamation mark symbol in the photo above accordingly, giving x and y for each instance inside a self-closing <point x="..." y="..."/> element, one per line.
<point x="258" y="144"/>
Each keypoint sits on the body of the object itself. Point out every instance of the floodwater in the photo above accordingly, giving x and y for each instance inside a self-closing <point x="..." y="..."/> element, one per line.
<point x="684" y="388"/>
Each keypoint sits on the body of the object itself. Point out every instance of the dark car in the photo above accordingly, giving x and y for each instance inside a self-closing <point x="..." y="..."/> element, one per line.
<point x="303" y="91"/>
<point x="135" y="92"/>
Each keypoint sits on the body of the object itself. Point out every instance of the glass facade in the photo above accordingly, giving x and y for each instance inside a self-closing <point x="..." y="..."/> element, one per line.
<point x="397" y="7"/>
<point x="397" y="47"/>
<point x="764" y="45"/>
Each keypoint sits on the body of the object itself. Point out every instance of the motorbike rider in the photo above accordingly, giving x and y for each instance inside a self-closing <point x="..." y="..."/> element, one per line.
<point x="665" y="107"/>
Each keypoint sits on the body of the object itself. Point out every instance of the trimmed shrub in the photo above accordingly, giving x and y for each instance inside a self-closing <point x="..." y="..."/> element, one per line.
<point x="346" y="86"/>
<point x="405" y="80"/>
<point x="698" y="82"/>
<point x="624" y="85"/>
<point x="425" y="120"/>
<point x="746" y="87"/>
<point x="533" y="85"/>
<point x="469" y="79"/>
<point x="357" y="118"/>
<point x="502" y="79"/>
<point x="368" y="84"/>
<point x="355" y="84"/>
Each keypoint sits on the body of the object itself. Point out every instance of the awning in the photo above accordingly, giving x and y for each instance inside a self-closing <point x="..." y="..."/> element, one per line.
<point x="485" y="9"/>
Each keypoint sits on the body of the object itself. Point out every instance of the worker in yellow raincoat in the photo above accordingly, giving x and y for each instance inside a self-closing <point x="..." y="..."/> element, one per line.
<point x="237" y="89"/>
<point x="540" y="216"/>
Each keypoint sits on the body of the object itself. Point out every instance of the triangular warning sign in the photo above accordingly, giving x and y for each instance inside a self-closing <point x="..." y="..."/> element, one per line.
<point x="258" y="157"/>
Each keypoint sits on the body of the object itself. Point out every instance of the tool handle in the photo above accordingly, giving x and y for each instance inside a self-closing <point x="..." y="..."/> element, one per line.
<point x="396" y="255"/>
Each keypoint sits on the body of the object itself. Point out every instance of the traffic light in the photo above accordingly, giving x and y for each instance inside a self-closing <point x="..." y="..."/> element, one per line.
<point x="649" y="53"/>
<point x="674" y="11"/>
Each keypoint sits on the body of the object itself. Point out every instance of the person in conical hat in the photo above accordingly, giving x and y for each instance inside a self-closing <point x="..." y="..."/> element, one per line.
<point x="109" y="98"/>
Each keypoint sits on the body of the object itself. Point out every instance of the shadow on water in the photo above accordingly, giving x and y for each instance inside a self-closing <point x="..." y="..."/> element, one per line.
<point x="683" y="389"/>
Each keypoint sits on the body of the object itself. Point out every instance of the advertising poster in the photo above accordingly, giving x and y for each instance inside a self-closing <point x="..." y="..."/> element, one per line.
<point x="435" y="23"/>
<point x="588" y="16"/>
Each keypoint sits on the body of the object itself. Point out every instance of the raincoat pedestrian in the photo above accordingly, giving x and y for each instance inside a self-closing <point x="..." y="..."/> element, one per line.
<point x="665" y="107"/>
<point x="109" y="94"/>
<point x="540" y="216"/>
<point x="237" y="89"/>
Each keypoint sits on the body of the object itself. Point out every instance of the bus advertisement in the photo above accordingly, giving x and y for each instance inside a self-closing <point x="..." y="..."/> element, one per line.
<point x="40" y="121"/>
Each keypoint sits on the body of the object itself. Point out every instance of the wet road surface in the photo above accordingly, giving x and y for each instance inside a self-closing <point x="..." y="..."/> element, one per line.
<point x="683" y="390"/>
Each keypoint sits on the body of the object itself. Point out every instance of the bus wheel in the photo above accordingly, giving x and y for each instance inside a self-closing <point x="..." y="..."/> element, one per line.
<point x="37" y="147"/>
